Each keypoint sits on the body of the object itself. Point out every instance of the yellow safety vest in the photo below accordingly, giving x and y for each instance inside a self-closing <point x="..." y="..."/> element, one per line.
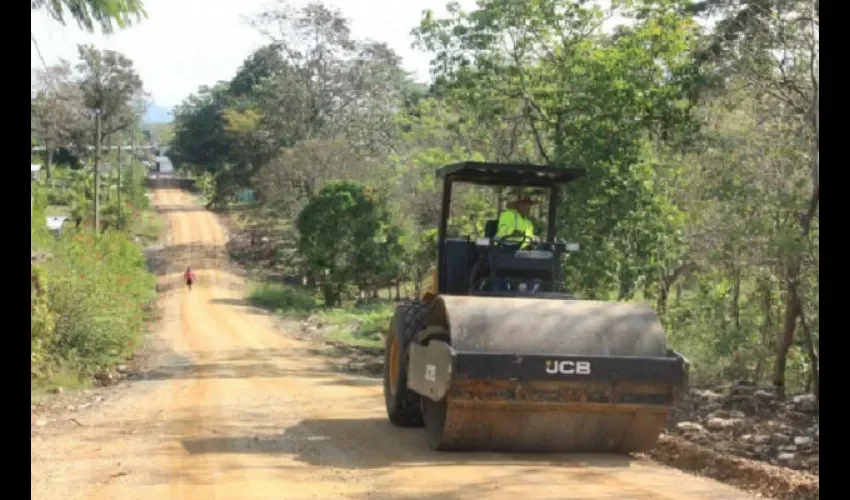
<point x="511" y="221"/>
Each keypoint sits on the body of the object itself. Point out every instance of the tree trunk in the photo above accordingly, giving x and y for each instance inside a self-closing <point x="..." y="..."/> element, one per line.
<point x="767" y="327"/>
<point x="625" y="290"/>
<point x="97" y="175"/>
<point x="814" y="359"/>
<point x="667" y="282"/>
<point x="736" y="298"/>
<point x="48" y="165"/>
<point x="328" y="292"/>
<point x="789" y="324"/>
<point x="417" y="284"/>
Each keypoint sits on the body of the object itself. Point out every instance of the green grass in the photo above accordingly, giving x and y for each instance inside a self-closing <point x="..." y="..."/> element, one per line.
<point x="360" y="326"/>
<point x="148" y="226"/>
<point x="42" y="389"/>
<point x="284" y="300"/>
<point x="57" y="210"/>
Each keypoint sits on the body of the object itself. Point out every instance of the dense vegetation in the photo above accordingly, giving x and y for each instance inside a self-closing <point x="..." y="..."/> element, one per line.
<point x="91" y="290"/>
<point x="700" y="141"/>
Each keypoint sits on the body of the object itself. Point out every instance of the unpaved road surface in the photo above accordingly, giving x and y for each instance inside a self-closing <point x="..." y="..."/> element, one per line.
<point x="234" y="409"/>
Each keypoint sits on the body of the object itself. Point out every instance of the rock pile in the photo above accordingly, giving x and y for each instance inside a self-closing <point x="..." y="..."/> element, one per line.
<point x="751" y="422"/>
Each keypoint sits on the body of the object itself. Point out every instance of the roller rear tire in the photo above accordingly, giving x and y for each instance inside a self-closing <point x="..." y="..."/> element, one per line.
<point x="404" y="407"/>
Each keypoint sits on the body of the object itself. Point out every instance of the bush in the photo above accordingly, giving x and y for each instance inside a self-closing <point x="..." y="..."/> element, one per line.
<point x="347" y="234"/>
<point x="284" y="299"/>
<point x="42" y="321"/>
<point x="98" y="292"/>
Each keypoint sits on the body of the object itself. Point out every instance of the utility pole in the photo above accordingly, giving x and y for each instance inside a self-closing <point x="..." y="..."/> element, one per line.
<point x="120" y="147"/>
<point x="97" y="175"/>
<point x="133" y="160"/>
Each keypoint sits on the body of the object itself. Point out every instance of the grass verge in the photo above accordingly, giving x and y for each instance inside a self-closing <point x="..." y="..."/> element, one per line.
<point x="284" y="300"/>
<point x="90" y="307"/>
<point x="148" y="226"/>
<point x="62" y="378"/>
<point x="358" y="325"/>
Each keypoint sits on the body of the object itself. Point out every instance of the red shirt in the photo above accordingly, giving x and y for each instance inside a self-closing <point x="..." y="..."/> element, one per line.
<point x="190" y="275"/>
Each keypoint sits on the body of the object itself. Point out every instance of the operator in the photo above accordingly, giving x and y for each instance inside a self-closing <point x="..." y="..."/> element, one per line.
<point x="514" y="223"/>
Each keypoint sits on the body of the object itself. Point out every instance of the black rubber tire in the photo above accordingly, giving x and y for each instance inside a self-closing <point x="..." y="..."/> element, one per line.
<point x="404" y="406"/>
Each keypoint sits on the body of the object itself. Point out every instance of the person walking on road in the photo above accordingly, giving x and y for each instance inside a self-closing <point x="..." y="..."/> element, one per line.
<point x="189" y="276"/>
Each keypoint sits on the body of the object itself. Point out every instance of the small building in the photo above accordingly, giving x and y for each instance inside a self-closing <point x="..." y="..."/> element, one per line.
<point x="163" y="165"/>
<point x="56" y="223"/>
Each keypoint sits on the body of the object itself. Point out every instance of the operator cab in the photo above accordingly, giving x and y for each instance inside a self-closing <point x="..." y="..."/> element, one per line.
<point x="492" y="266"/>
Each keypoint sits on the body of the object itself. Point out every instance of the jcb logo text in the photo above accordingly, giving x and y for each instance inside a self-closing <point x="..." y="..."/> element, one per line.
<point x="568" y="367"/>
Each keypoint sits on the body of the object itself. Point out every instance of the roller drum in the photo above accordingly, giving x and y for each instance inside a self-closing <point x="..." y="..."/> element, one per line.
<point x="505" y="374"/>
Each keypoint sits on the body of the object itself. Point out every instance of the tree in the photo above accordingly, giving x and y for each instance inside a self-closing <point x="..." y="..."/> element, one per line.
<point x="329" y="85"/>
<point x="91" y="13"/>
<point x="586" y="99"/>
<point x="346" y="236"/>
<point x="111" y="91"/>
<point x="298" y="174"/>
<point x="110" y="86"/>
<point x="774" y="46"/>
<point x="57" y="112"/>
<point x="312" y="84"/>
<point x="266" y="62"/>
<point x="199" y="139"/>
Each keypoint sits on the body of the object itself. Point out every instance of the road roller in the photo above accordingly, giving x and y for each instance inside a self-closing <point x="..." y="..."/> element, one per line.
<point x="499" y="356"/>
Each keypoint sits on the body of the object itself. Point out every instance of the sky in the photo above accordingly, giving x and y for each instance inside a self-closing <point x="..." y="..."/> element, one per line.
<point x="188" y="43"/>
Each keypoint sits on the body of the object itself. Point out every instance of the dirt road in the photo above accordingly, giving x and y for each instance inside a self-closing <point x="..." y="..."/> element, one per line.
<point x="234" y="409"/>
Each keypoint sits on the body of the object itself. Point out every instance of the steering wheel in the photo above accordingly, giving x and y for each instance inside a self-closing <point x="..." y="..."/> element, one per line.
<point x="510" y="242"/>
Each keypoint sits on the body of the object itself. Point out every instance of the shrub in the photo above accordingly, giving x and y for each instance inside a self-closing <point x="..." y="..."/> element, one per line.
<point x="283" y="298"/>
<point x="42" y="322"/>
<point x="99" y="290"/>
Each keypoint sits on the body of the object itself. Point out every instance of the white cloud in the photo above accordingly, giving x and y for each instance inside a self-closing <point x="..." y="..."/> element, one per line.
<point x="187" y="43"/>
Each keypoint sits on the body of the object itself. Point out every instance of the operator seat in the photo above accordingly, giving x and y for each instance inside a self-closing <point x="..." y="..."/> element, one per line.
<point x="490" y="228"/>
<point x="479" y="267"/>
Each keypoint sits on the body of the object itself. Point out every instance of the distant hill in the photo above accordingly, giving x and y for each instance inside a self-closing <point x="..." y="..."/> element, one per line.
<point x="157" y="114"/>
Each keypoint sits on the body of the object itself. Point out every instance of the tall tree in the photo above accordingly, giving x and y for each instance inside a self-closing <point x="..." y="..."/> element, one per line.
<point x="332" y="85"/>
<point x="111" y="90"/>
<point x="110" y="86"/>
<point x="57" y="112"/>
<point x="774" y="46"/>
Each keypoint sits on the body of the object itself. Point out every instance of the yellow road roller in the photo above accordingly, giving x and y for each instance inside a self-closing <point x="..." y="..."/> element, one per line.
<point x="497" y="356"/>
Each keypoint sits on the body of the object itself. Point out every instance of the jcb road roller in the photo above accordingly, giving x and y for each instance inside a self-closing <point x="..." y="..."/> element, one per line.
<point x="498" y="356"/>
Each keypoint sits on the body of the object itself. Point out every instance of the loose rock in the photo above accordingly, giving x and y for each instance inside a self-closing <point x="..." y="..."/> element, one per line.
<point x="780" y="439"/>
<point x="764" y="395"/>
<point x="690" y="427"/>
<point x="761" y="439"/>
<point x="724" y="423"/>
<point x="707" y="396"/>
<point x="805" y="402"/>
